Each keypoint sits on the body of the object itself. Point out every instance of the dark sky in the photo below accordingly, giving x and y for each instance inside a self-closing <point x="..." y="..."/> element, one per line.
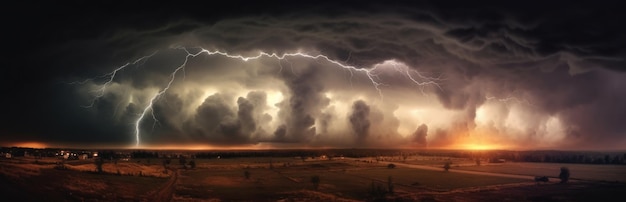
<point x="466" y="74"/>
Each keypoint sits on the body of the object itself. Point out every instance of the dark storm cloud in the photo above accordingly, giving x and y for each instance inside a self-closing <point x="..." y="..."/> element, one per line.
<point x="245" y="116"/>
<point x="419" y="136"/>
<point x="219" y="120"/>
<point x="168" y="112"/>
<point x="494" y="44"/>
<point x="258" y="99"/>
<point x="306" y="101"/>
<point x="324" y="121"/>
<point x="566" y="58"/>
<point x="213" y="110"/>
<point x="591" y="106"/>
<point x="359" y="120"/>
<point x="280" y="133"/>
<point x="220" y="124"/>
<point x="258" y="102"/>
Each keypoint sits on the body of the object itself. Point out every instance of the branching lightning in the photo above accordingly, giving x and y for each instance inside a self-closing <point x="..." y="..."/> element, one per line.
<point x="110" y="76"/>
<point x="403" y="69"/>
<point x="509" y="99"/>
<point x="149" y="111"/>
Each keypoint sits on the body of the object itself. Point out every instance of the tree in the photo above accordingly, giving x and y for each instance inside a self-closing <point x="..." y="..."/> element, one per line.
<point x="192" y="164"/>
<point x="99" y="162"/>
<point x="564" y="175"/>
<point x="446" y="166"/>
<point x="316" y="181"/>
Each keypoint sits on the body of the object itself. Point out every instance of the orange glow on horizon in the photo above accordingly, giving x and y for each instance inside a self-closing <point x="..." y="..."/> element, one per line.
<point x="258" y="146"/>
<point x="475" y="147"/>
<point x="192" y="147"/>
<point x="36" y="145"/>
<point x="480" y="146"/>
<point x="480" y="140"/>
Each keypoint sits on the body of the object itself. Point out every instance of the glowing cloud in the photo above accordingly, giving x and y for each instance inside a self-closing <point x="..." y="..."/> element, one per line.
<point x="289" y="74"/>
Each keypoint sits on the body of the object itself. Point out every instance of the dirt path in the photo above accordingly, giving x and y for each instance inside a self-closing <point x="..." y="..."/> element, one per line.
<point x="166" y="192"/>
<point x="423" y="167"/>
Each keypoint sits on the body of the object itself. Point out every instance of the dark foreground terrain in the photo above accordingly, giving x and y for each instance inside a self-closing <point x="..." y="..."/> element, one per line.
<point x="319" y="178"/>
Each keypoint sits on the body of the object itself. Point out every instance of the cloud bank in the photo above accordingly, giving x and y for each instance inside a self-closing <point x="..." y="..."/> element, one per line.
<point x="443" y="77"/>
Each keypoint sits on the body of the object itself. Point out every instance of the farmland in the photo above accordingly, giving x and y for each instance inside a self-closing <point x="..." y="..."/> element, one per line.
<point x="297" y="178"/>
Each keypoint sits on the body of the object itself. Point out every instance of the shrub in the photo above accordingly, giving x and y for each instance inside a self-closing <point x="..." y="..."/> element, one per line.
<point x="99" y="162"/>
<point x="446" y="166"/>
<point x="192" y="164"/>
<point x="564" y="175"/>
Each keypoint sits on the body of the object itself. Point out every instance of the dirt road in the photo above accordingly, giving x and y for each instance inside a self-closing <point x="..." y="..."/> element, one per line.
<point x="166" y="192"/>
<point x="423" y="167"/>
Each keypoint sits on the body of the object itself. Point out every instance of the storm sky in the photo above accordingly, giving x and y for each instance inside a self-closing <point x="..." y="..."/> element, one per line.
<point x="385" y="75"/>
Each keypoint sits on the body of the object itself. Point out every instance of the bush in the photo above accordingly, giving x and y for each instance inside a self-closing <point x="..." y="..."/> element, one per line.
<point x="564" y="175"/>
<point x="192" y="164"/>
<point x="99" y="162"/>
<point x="391" y="166"/>
<point x="446" y="166"/>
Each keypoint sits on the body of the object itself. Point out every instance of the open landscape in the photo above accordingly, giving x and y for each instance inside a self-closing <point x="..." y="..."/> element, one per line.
<point x="300" y="175"/>
<point x="285" y="101"/>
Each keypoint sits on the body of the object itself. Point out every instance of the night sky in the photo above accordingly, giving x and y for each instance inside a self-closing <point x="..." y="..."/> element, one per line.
<point x="441" y="74"/>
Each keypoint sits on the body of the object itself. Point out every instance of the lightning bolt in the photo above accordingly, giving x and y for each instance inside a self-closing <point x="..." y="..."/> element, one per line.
<point x="98" y="93"/>
<point x="508" y="99"/>
<point x="149" y="110"/>
<point x="405" y="70"/>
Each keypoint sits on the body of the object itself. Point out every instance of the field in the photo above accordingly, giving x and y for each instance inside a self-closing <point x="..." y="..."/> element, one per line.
<point x="297" y="179"/>
<point x="609" y="173"/>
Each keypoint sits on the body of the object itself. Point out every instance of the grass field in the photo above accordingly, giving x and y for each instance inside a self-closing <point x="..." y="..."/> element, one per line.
<point x="37" y="182"/>
<point x="289" y="179"/>
<point x="578" y="171"/>
<point x="341" y="178"/>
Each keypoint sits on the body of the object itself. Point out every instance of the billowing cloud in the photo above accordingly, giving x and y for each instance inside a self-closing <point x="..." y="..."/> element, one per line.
<point x="419" y="136"/>
<point x="469" y="74"/>
<point x="359" y="120"/>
